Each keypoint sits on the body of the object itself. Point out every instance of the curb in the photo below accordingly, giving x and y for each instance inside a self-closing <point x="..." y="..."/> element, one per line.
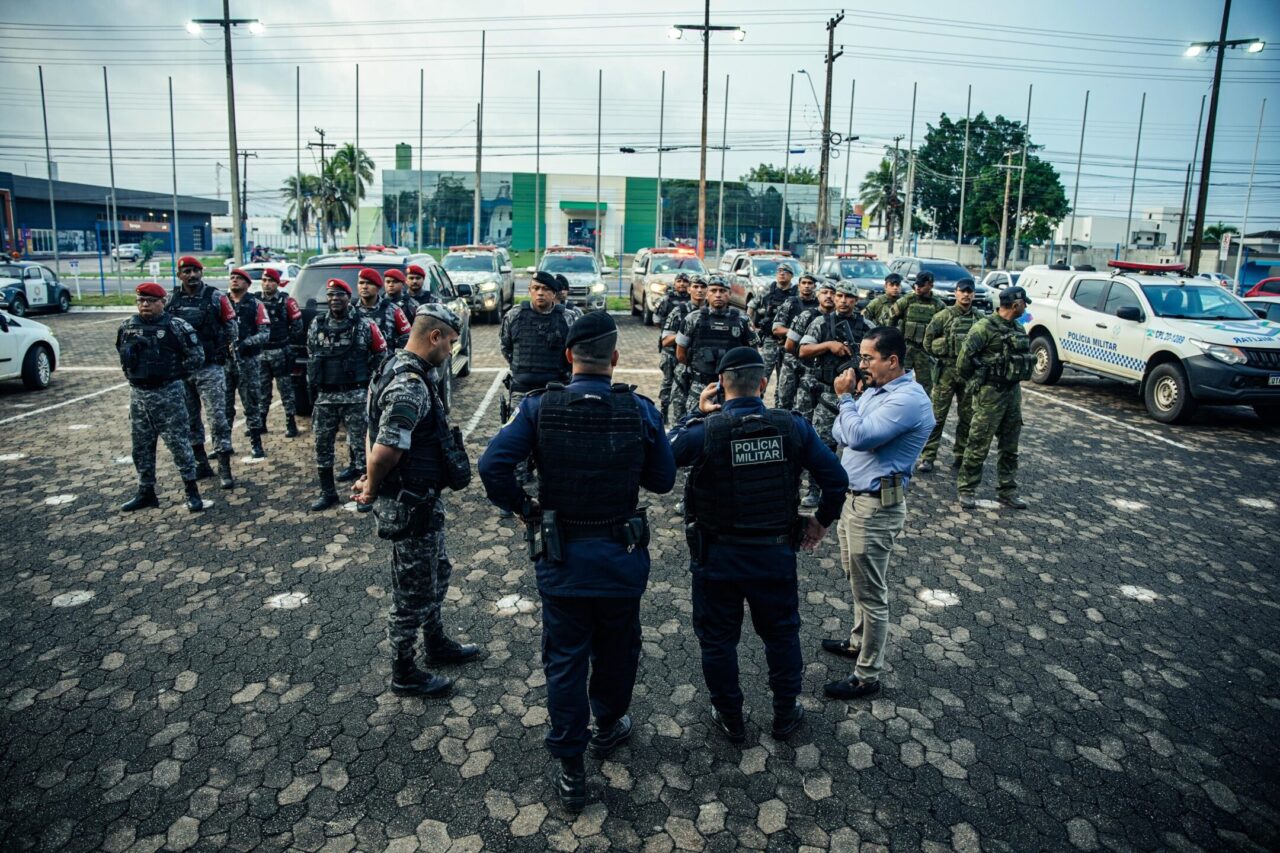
<point x="100" y="309"/>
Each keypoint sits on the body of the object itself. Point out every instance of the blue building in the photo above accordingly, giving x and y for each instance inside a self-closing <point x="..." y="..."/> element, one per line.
<point x="83" y="218"/>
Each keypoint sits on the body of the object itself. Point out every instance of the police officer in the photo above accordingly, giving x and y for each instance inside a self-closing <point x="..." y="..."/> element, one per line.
<point x="674" y="298"/>
<point x="995" y="357"/>
<point x="680" y="377"/>
<point x="156" y="351"/>
<point x="244" y="372"/>
<point x="597" y="444"/>
<point x="277" y="353"/>
<point x="808" y="391"/>
<point x="744" y="527"/>
<point x="708" y="334"/>
<point x="207" y="310"/>
<point x="398" y="294"/>
<point x="879" y="309"/>
<point x="571" y="311"/>
<point x="911" y="316"/>
<point x="343" y="350"/>
<point x="762" y="313"/>
<point x="407" y="474"/>
<point x="416" y="278"/>
<point x="943" y="339"/>
<point x="832" y="342"/>
<point x="375" y="307"/>
<point x="784" y="324"/>
<point x="532" y="340"/>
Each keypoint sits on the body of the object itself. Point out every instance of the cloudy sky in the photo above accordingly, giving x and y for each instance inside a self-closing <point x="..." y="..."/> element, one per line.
<point x="1116" y="51"/>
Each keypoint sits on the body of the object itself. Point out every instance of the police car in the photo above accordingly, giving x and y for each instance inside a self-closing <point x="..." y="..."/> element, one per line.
<point x="585" y="276"/>
<point x="859" y="267"/>
<point x="483" y="274"/>
<point x="309" y="292"/>
<point x="28" y="350"/>
<point x="1186" y="341"/>
<point x="27" y="286"/>
<point x="653" y="274"/>
<point x="754" y="270"/>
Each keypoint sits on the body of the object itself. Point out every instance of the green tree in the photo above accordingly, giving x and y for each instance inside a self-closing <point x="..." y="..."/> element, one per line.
<point x="881" y="199"/>
<point x="1213" y="233"/>
<point x="767" y="173"/>
<point x="148" y="246"/>
<point x="354" y="168"/>
<point x="301" y="219"/>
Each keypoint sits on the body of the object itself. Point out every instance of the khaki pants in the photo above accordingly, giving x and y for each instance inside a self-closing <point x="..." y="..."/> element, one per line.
<point x="867" y="533"/>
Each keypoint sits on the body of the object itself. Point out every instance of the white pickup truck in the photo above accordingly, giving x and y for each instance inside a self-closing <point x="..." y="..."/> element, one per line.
<point x="1186" y="341"/>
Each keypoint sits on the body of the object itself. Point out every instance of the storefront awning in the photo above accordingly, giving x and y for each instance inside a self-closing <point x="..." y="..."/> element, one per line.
<point x="583" y="205"/>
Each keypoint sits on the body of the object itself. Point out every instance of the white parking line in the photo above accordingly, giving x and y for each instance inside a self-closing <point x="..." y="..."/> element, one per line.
<point x="1108" y="419"/>
<point x="484" y="404"/>
<point x="63" y="403"/>
<point x="88" y="370"/>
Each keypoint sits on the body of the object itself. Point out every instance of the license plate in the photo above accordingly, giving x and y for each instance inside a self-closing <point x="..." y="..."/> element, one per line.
<point x="1274" y="379"/>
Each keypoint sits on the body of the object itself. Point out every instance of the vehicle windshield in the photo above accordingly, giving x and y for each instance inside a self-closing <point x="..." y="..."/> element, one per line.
<point x="1195" y="302"/>
<point x="677" y="262"/>
<point x="943" y="271"/>
<point x="10" y="271"/>
<point x="863" y="269"/>
<point x="310" y="284"/>
<point x="568" y="263"/>
<point x="470" y="263"/>
<point x="768" y="267"/>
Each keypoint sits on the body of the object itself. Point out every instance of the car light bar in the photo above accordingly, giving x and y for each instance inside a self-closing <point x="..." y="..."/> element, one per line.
<point x="1134" y="266"/>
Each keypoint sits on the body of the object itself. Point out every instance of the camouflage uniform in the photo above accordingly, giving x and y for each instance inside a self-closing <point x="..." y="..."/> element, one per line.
<point x="420" y="567"/>
<point x="747" y="337"/>
<point x="390" y="320"/>
<point x="244" y="374"/>
<point x="771" y="349"/>
<point x="995" y="358"/>
<point x="161" y="412"/>
<point x="879" y="309"/>
<point x="672" y="305"/>
<point x="943" y="339"/>
<point x="206" y="388"/>
<point x="277" y="362"/>
<point x="789" y="381"/>
<point x="825" y="404"/>
<point x="406" y="303"/>
<point x="348" y="406"/>
<point x="911" y="315"/>
<point x="807" y="393"/>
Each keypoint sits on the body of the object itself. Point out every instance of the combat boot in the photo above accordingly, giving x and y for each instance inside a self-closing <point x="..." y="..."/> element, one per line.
<point x="255" y="438"/>
<point x="349" y="474"/>
<point x="572" y="784"/>
<point x="328" y="491"/>
<point x="441" y="649"/>
<point x="292" y="429"/>
<point x="812" y="497"/>
<point x="194" y="503"/>
<point x="202" y="462"/>
<point x="1013" y="502"/>
<point x="968" y="501"/>
<point x="224" y="470"/>
<point x="924" y="466"/>
<point x="408" y="680"/>
<point x="145" y="497"/>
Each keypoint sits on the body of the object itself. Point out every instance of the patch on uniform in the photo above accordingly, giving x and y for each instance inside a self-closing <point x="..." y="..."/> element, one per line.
<point x="756" y="451"/>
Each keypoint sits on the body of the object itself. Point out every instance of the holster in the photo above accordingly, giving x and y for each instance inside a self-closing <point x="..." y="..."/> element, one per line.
<point x="696" y="537"/>
<point x="407" y="514"/>
<point x="552" y="548"/>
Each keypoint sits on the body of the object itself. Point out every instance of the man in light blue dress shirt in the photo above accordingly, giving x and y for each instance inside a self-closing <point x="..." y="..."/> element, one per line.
<point x="883" y="433"/>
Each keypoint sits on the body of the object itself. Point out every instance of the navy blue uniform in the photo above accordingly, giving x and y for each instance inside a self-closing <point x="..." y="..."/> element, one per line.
<point x="591" y="599"/>
<point x="762" y="575"/>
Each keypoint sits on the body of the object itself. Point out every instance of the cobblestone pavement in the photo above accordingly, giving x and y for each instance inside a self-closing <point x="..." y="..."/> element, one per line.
<point x="1097" y="672"/>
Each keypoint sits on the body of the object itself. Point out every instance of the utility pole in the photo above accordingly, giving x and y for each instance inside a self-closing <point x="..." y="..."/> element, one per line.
<point x="908" y="201"/>
<point x="1022" y="178"/>
<point x="702" y="150"/>
<point x="1075" y="195"/>
<point x="845" y="207"/>
<point x="475" y="215"/>
<point x="244" y="202"/>
<point x="111" y="162"/>
<point x="662" y="112"/>
<point x="417" y="225"/>
<point x="786" y="169"/>
<point x="48" y="162"/>
<point x="1133" y="182"/>
<point x="964" y="172"/>
<point x="893" y="192"/>
<point x="1004" y="208"/>
<point x="1186" y="192"/>
<point x="323" y="211"/>
<point x="824" y="163"/>
<point x="1248" y="198"/>
<point x="1202" y="197"/>
<point x="724" y="149"/>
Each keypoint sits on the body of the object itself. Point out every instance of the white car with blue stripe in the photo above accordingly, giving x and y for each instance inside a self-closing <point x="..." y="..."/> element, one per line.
<point x="1186" y="341"/>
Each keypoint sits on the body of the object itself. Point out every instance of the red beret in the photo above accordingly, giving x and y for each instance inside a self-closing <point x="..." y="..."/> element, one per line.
<point x="244" y="275"/>
<point x="396" y="274"/>
<point x="338" y="284"/>
<point x="370" y="274"/>
<point x="414" y="269"/>
<point x="150" y="288"/>
<point x="273" y="274"/>
<point x="189" y="261"/>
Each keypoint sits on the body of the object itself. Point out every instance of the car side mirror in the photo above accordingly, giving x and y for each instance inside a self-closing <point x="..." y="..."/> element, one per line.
<point x="504" y="270"/>
<point x="530" y="270"/>
<point x="1132" y="313"/>
<point x="4" y="324"/>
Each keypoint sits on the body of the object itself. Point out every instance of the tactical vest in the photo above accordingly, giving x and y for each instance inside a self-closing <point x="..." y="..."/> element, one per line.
<point x="405" y="303"/>
<point x="748" y="481"/>
<point x="151" y="353"/>
<point x="578" y="430"/>
<point x="421" y="467"/>
<point x="916" y="320"/>
<point x="247" y="318"/>
<point x="202" y="313"/>
<point x="278" y="313"/>
<point x="772" y="300"/>
<point x="958" y="330"/>
<point x="537" y="346"/>
<point x="793" y="308"/>
<point x="1016" y="361"/>
<point x="381" y="315"/>
<point x="848" y="331"/>
<point x="678" y="312"/>
<point x="713" y="336"/>
<point x="337" y="357"/>
<point x="878" y="309"/>
<point x="671" y="302"/>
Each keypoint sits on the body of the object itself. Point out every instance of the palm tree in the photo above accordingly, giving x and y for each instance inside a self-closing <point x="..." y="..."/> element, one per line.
<point x="308" y="187"/>
<point x="1214" y="233"/>
<point x="880" y="197"/>
<point x="355" y="168"/>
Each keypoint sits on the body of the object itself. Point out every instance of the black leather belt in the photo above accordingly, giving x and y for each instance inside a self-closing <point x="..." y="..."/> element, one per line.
<point x="750" y="541"/>
<point x="856" y="493"/>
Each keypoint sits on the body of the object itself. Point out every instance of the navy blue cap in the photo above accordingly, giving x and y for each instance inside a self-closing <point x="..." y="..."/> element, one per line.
<point x="739" y="357"/>
<point x="592" y="327"/>
<point x="562" y="284"/>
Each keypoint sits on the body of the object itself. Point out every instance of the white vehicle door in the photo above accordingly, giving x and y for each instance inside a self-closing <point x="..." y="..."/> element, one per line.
<point x="1082" y="327"/>
<point x="9" y="365"/>
<point x="34" y="285"/>
<point x="1128" y="335"/>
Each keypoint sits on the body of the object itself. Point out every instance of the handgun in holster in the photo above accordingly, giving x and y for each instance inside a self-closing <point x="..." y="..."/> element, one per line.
<point x="696" y="536"/>
<point x="531" y="522"/>
<point x="552" y="549"/>
<point x="635" y="531"/>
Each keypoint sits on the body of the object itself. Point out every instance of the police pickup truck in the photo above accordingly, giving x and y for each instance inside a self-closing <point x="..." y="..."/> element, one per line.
<point x="1186" y="341"/>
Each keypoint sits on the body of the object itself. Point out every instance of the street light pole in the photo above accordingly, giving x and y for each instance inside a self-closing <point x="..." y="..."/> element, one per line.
<point x="724" y="149"/>
<point x="48" y="161"/>
<point x="786" y="169"/>
<point x="1075" y="195"/>
<point x="662" y="111"/>
<point x="1248" y="197"/>
<point x="964" y="173"/>
<point x="1022" y="177"/>
<point x="1133" y="182"/>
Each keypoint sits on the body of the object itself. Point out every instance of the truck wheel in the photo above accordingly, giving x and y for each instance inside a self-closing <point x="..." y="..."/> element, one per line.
<point x="635" y="312"/>
<point x="64" y="302"/>
<point x="648" y="311"/>
<point x="1168" y="394"/>
<point x="465" y="370"/>
<point x="1048" y="369"/>
<point x="37" y="368"/>
<point x="1270" y="414"/>
<point x="302" y="396"/>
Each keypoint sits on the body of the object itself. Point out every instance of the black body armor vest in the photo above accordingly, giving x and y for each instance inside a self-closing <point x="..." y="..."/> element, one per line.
<point x="278" y="313"/>
<point x="151" y="353"/>
<point x="422" y="467"/>
<point x="337" y="357"/>
<point x="713" y="336"/>
<point x="848" y="331"/>
<point x="748" y="482"/>
<point x="538" y="342"/>
<point x="247" y="318"/>
<point x="201" y="313"/>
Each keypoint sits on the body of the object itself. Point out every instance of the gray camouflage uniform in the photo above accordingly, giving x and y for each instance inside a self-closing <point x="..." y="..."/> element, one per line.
<point x="332" y="407"/>
<point x="783" y="318"/>
<point x="244" y="375"/>
<point x="748" y="338"/>
<point x="206" y="389"/>
<point x="277" y="364"/>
